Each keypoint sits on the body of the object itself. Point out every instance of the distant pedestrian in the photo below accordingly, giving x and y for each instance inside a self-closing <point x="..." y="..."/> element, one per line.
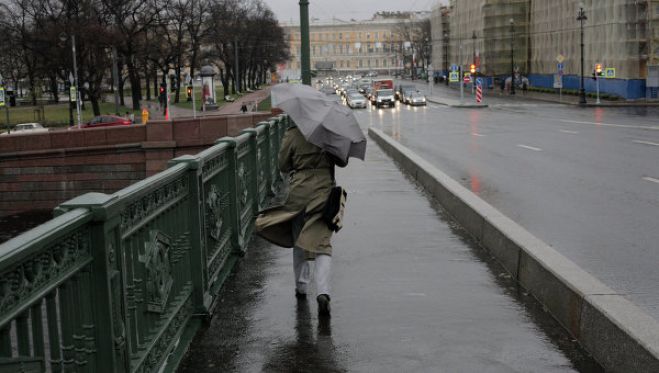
<point x="243" y="108"/>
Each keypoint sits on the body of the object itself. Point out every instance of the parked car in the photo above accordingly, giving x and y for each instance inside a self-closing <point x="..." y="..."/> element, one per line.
<point x="417" y="98"/>
<point x="356" y="100"/>
<point x="384" y="97"/>
<point x="107" y="121"/>
<point x="23" y="128"/>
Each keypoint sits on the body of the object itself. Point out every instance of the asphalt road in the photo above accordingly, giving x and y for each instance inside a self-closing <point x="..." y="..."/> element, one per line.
<point x="585" y="181"/>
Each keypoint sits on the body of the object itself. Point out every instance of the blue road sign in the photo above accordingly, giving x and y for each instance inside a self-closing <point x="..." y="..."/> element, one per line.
<point x="560" y="67"/>
<point x="479" y="81"/>
<point x="454" y="67"/>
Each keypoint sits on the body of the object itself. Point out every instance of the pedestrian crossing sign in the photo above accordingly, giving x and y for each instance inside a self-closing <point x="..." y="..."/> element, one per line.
<point x="610" y="73"/>
<point x="454" y="77"/>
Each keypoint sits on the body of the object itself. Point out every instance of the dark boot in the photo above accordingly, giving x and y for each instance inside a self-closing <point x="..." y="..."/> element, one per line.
<point x="323" y="305"/>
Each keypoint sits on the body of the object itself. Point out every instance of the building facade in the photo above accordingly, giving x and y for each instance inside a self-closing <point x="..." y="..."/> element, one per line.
<point x="618" y="34"/>
<point x="352" y="47"/>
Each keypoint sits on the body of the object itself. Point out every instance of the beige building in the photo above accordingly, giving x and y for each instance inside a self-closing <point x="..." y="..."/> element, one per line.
<point x="620" y="34"/>
<point x="617" y="34"/>
<point x="348" y="47"/>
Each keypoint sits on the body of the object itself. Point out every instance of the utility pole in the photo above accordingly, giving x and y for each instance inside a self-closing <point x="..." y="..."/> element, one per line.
<point x="115" y="79"/>
<point x="581" y="16"/>
<point x="446" y="58"/>
<point x="237" y="69"/>
<point x="75" y="73"/>
<point x="462" y="83"/>
<point x="512" y="56"/>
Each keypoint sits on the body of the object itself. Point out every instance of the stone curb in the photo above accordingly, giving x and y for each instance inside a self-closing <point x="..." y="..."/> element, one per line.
<point x="619" y="335"/>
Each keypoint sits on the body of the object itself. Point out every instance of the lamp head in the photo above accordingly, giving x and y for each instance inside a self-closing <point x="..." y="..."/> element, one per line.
<point x="512" y="21"/>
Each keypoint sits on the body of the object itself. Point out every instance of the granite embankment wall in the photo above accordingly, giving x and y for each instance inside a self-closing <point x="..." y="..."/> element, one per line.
<point x="42" y="170"/>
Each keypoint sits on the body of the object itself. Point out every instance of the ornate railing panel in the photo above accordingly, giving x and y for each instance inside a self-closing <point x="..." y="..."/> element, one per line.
<point x="114" y="282"/>
<point x="45" y="298"/>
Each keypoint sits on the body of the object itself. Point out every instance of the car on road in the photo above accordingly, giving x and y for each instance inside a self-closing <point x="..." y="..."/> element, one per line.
<point x="416" y="99"/>
<point x="405" y="95"/>
<point x="24" y="128"/>
<point x="107" y="121"/>
<point x="356" y="100"/>
<point x="384" y="97"/>
<point x="401" y="88"/>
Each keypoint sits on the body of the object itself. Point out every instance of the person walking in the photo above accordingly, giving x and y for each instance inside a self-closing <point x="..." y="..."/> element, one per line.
<point x="243" y="108"/>
<point x="298" y="222"/>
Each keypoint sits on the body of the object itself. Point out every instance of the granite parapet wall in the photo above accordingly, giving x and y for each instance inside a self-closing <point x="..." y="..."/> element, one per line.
<point x="40" y="171"/>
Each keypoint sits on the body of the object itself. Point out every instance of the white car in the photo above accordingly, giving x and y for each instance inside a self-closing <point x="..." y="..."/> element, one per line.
<point x="23" y="128"/>
<point x="356" y="100"/>
<point x="417" y="98"/>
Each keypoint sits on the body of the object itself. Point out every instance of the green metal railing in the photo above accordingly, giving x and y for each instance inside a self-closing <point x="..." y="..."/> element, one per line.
<point x="121" y="282"/>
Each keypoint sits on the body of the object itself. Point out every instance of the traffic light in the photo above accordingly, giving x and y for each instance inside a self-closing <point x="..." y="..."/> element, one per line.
<point x="472" y="68"/>
<point x="598" y="72"/>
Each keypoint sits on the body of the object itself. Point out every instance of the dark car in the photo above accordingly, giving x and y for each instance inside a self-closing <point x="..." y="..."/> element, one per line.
<point x="401" y="88"/>
<point x="107" y="121"/>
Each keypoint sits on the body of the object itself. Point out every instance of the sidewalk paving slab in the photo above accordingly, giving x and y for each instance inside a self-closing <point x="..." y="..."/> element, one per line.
<point x="411" y="293"/>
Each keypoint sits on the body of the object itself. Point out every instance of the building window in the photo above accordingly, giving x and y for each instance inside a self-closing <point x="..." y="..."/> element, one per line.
<point x="384" y="63"/>
<point x="377" y="63"/>
<point x="340" y="36"/>
<point x="361" y="63"/>
<point x="376" y="35"/>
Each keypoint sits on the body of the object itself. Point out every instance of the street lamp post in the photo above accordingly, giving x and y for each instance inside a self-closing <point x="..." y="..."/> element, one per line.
<point x="581" y="16"/>
<point x="63" y="38"/>
<point x="446" y="57"/>
<point x="305" y="58"/>
<point x="512" y="56"/>
<point x="473" y="60"/>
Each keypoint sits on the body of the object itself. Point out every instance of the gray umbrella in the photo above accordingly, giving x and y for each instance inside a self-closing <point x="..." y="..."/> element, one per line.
<point x="323" y="122"/>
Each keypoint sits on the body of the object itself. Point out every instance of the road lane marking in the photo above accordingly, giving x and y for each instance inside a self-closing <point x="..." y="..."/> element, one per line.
<point x="529" y="147"/>
<point x="570" y="132"/>
<point x="477" y="134"/>
<point x="612" y="125"/>
<point x="645" y="142"/>
<point x="651" y="179"/>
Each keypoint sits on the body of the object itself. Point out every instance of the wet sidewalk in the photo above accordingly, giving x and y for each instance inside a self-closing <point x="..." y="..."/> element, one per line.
<point x="411" y="293"/>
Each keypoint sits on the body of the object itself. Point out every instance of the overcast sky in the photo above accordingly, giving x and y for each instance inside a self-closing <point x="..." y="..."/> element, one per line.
<point x="289" y="10"/>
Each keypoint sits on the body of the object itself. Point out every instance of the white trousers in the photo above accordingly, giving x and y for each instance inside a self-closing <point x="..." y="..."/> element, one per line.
<point x="302" y="270"/>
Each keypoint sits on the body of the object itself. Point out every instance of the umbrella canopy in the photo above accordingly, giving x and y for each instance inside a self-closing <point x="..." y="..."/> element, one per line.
<point x="323" y="122"/>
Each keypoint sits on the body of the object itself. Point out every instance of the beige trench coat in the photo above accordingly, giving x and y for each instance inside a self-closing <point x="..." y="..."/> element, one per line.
<point x="310" y="182"/>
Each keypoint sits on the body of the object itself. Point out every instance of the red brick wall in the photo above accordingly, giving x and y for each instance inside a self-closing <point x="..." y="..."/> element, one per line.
<point x="40" y="171"/>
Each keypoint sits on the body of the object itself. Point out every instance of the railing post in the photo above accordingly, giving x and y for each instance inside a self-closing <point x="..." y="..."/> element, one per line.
<point x="253" y="165"/>
<point x="107" y="321"/>
<point x="236" y="237"/>
<point x="202" y="299"/>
